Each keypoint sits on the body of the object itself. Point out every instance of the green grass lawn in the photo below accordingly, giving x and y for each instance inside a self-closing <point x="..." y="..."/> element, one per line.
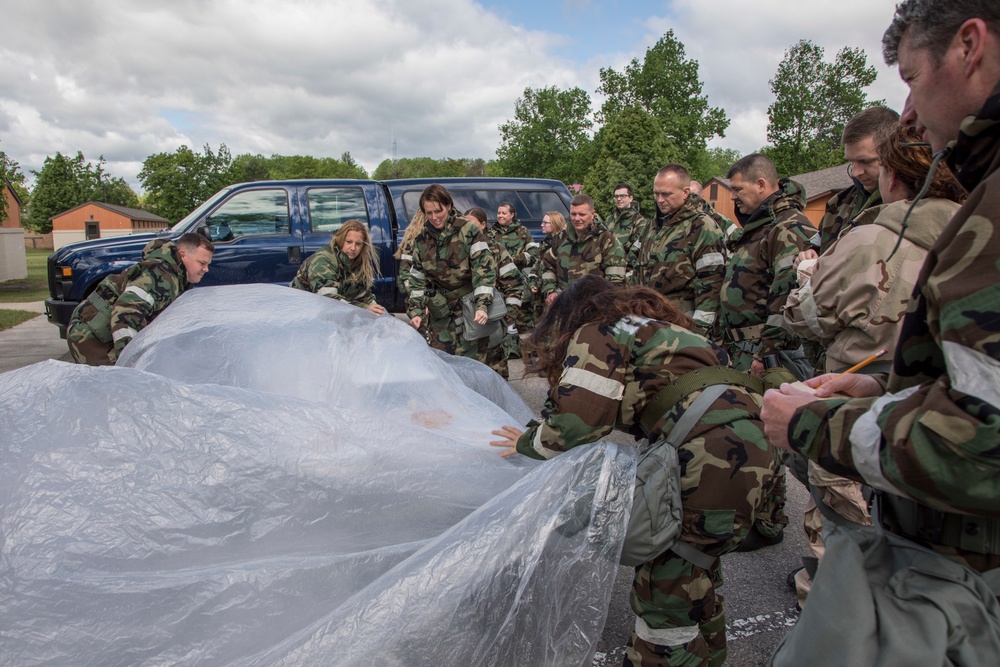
<point x="33" y="288"/>
<point x="9" y="318"/>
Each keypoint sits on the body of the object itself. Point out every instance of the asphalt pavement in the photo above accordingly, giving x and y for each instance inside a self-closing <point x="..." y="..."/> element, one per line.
<point x="760" y="609"/>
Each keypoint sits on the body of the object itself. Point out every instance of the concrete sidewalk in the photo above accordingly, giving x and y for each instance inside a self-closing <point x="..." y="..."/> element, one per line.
<point x="32" y="341"/>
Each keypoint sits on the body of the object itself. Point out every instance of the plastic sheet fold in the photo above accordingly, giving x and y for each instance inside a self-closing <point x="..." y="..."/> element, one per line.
<point x="272" y="477"/>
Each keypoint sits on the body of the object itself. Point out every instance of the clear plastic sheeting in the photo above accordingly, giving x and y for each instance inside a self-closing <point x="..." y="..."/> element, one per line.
<point x="283" y="479"/>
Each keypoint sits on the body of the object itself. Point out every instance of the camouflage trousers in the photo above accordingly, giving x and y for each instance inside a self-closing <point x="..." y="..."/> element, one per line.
<point x="771" y="518"/>
<point x="445" y="334"/>
<point x="681" y="615"/>
<point x="84" y="346"/>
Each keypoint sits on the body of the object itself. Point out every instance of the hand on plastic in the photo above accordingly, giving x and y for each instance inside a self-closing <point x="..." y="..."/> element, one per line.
<point x="481" y="317"/>
<point x="510" y="435"/>
<point x="375" y="308"/>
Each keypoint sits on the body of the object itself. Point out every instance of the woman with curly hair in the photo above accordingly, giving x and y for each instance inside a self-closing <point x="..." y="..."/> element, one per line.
<point x="616" y="358"/>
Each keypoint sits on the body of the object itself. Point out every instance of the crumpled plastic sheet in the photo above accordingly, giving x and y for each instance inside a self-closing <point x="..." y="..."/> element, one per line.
<point x="273" y="477"/>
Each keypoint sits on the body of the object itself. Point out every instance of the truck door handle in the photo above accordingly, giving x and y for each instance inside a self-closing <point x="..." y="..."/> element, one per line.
<point x="294" y="254"/>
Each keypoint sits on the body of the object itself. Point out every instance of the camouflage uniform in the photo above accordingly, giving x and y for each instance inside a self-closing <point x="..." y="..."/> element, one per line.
<point x="511" y="283"/>
<point x="759" y="277"/>
<point x="135" y="296"/>
<point x="572" y="257"/>
<point x="453" y="261"/>
<point x="853" y="306"/>
<point x="329" y="272"/>
<point x="682" y="257"/>
<point x="841" y="209"/>
<point x="629" y="227"/>
<point x="933" y="436"/>
<point x="534" y="278"/>
<point x="519" y="244"/>
<point x="610" y="375"/>
<point x="728" y="227"/>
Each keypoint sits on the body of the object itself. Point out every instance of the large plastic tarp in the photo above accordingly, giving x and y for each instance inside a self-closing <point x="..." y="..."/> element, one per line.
<point x="273" y="477"/>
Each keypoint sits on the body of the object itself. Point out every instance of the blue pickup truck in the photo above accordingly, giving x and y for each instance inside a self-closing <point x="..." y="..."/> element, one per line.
<point x="264" y="230"/>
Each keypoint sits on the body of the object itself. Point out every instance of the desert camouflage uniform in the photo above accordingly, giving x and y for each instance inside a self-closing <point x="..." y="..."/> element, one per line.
<point x="682" y="257"/>
<point x="519" y="244"/>
<point x="329" y="272"/>
<point x="572" y="257"/>
<point x="611" y="373"/>
<point x="453" y="261"/>
<point x="136" y="296"/>
<point x="759" y="277"/>
<point x="629" y="227"/>
<point x="933" y="436"/>
<point x="853" y="306"/>
<point x="841" y="209"/>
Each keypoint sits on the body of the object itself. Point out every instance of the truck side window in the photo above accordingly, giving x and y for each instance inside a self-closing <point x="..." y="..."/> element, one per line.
<point x="253" y="212"/>
<point x="329" y="208"/>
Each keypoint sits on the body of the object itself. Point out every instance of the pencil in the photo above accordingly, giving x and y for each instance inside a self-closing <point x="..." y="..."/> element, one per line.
<point x="858" y="366"/>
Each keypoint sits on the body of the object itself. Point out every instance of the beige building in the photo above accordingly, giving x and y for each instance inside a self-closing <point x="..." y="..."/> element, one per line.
<point x="97" y="220"/>
<point x="13" y="262"/>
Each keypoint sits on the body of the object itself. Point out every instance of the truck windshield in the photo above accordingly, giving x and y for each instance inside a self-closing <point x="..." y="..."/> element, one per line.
<point x="187" y="220"/>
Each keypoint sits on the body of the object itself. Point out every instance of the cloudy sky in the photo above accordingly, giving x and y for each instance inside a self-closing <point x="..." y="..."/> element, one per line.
<point x="128" y="78"/>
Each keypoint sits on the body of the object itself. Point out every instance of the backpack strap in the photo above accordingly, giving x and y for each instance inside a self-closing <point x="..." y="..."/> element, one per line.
<point x="667" y="398"/>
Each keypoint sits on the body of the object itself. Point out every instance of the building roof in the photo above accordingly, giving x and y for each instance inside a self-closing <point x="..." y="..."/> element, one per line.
<point x="131" y="213"/>
<point x="17" y="197"/>
<point x="822" y="183"/>
<point x="825" y="182"/>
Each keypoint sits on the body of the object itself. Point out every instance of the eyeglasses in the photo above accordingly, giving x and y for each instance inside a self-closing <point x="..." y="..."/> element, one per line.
<point x="621" y="196"/>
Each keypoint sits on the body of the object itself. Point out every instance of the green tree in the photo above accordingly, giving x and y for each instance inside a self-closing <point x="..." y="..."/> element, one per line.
<point x="10" y="174"/>
<point x="549" y="136"/>
<point x="177" y="183"/>
<point x="98" y="185"/>
<point x="633" y="148"/>
<point x="57" y="189"/>
<point x="666" y="85"/>
<point x="425" y="167"/>
<point x="714" y="162"/>
<point x="247" y="168"/>
<point x="814" y="99"/>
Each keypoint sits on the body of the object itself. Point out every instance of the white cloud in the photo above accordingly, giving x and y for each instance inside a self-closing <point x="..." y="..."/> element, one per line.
<point x="129" y="78"/>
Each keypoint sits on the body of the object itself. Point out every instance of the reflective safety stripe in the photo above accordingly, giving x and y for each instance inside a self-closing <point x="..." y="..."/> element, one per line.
<point x="784" y="263"/>
<point x="406" y="258"/>
<point x="139" y="292"/>
<point x="615" y="271"/>
<point x="418" y="274"/>
<point x="510" y="267"/>
<point x="478" y="247"/>
<point x="665" y="636"/>
<point x="127" y="333"/>
<point x="328" y="291"/>
<point x="548" y="275"/>
<point x="536" y="444"/>
<point x="531" y="245"/>
<point x="710" y="259"/>
<point x="513" y="301"/>
<point x="973" y="373"/>
<point x="512" y="329"/>
<point x="866" y="439"/>
<point x="417" y="294"/>
<point x="592" y="382"/>
<point x="479" y="291"/>
<point x="705" y="316"/>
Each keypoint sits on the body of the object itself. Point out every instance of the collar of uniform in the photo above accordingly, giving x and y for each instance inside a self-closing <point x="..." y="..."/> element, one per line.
<point x="976" y="152"/>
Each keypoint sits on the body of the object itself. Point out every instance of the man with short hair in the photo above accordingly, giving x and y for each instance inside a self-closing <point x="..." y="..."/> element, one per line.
<point x="927" y="435"/>
<point x="682" y="255"/>
<point x="125" y="303"/>
<point x="586" y="247"/>
<point x="626" y="222"/>
<point x="861" y="135"/>
<point x="759" y="277"/>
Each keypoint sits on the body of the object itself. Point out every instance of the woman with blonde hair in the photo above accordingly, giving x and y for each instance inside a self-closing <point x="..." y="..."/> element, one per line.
<point x="553" y="224"/>
<point x="345" y="269"/>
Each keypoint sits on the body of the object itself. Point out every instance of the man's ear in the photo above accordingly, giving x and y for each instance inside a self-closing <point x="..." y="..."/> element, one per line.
<point x="971" y="38"/>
